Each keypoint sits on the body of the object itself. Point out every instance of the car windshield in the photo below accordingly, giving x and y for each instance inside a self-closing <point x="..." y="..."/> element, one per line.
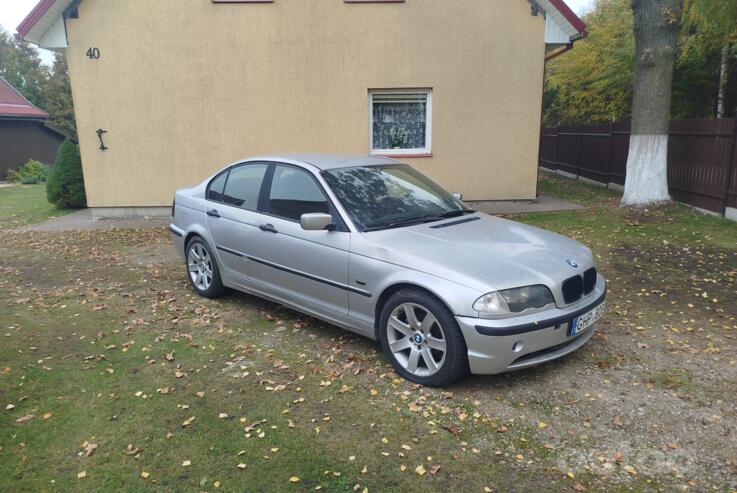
<point x="390" y="196"/>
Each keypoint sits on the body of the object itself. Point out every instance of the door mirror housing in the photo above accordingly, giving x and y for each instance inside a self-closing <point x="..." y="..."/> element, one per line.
<point x="316" y="221"/>
<point x="457" y="195"/>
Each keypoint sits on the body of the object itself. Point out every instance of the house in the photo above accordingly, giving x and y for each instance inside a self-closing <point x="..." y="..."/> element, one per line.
<point x="168" y="91"/>
<point x="23" y="133"/>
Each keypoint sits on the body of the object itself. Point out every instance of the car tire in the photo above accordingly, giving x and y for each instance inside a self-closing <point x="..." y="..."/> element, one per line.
<point x="410" y="343"/>
<point x="203" y="271"/>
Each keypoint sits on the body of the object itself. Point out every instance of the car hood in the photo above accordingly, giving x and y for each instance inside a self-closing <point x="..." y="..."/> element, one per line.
<point x="481" y="252"/>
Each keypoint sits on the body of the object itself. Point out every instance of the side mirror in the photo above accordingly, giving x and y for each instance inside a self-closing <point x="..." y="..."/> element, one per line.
<point x="316" y="221"/>
<point x="457" y="195"/>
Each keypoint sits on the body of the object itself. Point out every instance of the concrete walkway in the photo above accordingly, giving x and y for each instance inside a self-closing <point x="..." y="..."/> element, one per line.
<point x="83" y="220"/>
<point x="542" y="204"/>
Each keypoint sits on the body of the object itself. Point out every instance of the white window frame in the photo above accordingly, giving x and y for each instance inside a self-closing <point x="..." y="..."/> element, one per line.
<point x="421" y="152"/>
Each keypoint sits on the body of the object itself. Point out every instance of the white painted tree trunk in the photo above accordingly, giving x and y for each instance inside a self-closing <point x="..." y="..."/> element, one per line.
<point x="723" y="76"/>
<point x="656" y="26"/>
<point x="647" y="170"/>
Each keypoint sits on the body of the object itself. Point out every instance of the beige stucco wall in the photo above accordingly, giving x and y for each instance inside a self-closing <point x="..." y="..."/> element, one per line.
<point x="184" y="87"/>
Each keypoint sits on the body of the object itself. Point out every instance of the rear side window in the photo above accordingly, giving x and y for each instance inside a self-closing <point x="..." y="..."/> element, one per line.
<point x="215" y="190"/>
<point x="294" y="192"/>
<point x="243" y="186"/>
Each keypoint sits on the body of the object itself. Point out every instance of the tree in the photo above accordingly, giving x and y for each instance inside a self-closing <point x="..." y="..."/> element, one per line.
<point x="593" y="83"/>
<point x="656" y="26"/>
<point x="65" y="185"/>
<point x="21" y="67"/>
<point x="47" y="88"/>
<point x="57" y="94"/>
<point x="714" y="23"/>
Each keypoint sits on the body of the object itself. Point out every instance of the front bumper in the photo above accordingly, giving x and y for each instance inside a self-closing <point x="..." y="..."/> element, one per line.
<point x="500" y="345"/>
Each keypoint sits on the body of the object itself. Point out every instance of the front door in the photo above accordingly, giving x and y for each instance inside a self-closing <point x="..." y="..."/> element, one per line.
<point x="305" y="267"/>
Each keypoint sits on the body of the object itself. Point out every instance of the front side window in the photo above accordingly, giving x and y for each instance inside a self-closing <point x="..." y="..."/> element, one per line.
<point x="294" y="192"/>
<point x="380" y="197"/>
<point x="244" y="185"/>
<point x="400" y="122"/>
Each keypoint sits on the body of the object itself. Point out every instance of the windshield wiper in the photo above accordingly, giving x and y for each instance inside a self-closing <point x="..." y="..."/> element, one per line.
<point x="461" y="212"/>
<point x="419" y="220"/>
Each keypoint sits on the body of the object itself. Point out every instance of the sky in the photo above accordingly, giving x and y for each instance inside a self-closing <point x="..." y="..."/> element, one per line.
<point x="12" y="12"/>
<point x="580" y="7"/>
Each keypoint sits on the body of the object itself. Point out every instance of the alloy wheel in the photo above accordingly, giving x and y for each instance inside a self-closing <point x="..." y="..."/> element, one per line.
<point x="416" y="339"/>
<point x="199" y="264"/>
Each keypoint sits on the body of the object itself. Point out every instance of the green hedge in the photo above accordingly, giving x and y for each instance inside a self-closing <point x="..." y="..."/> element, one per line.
<point x="65" y="187"/>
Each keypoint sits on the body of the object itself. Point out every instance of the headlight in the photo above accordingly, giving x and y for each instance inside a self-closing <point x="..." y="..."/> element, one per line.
<point x="514" y="300"/>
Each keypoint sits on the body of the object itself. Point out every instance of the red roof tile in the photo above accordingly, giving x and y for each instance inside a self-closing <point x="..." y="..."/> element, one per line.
<point x="13" y="104"/>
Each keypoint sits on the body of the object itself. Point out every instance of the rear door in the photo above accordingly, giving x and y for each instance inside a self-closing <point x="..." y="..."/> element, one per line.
<point x="306" y="267"/>
<point x="232" y="202"/>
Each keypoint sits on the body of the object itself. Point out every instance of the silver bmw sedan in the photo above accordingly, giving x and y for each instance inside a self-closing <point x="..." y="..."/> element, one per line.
<point x="371" y="245"/>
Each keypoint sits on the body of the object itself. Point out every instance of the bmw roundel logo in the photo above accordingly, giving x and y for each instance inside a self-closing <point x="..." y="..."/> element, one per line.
<point x="572" y="263"/>
<point x="418" y="338"/>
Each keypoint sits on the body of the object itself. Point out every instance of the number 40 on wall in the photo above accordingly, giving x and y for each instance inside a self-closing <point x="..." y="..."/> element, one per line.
<point x="93" y="53"/>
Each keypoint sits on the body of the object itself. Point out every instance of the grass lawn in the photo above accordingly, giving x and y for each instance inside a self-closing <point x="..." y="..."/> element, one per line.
<point x="115" y="376"/>
<point x="25" y="204"/>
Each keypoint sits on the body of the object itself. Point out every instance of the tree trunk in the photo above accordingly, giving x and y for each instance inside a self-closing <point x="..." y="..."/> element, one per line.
<point x="656" y="32"/>
<point x="723" y="77"/>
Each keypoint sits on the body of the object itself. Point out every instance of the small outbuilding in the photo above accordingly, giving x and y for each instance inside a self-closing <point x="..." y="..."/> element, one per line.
<point x="168" y="91"/>
<point x="23" y="132"/>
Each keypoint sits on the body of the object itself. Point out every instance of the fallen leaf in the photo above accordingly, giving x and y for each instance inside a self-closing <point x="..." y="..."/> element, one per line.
<point x="25" y="418"/>
<point x="81" y="474"/>
<point x="47" y="416"/>
<point x="294" y="479"/>
<point x="241" y="466"/>
<point x="131" y="450"/>
<point x="90" y="449"/>
<point x="186" y="463"/>
<point x="420" y="470"/>
<point x="617" y="421"/>
<point x="144" y="474"/>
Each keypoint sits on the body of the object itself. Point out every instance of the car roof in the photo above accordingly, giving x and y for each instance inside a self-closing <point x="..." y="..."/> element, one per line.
<point x="325" y="161"/>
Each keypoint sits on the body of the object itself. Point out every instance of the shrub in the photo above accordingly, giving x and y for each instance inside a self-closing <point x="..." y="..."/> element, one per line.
<point x="30" y="180"/>
<point x="32" y="169"/>
<point x="65" y="187"/>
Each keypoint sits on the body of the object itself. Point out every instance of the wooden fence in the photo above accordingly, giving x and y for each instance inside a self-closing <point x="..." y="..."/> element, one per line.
<point x="702" y="158"/>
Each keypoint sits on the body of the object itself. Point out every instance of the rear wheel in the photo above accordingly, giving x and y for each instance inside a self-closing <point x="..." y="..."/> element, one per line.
<point x="422" y="339"/>
<point x="202" y="269"/>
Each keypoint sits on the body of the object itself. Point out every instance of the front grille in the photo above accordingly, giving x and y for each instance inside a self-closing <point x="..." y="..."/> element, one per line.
<point x="589" y="280"/>
<point x="572" y="289"/>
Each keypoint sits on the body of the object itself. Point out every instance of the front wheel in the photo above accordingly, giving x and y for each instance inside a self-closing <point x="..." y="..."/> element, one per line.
<point x="422" y="339"/>
<point x="204" y="274"/>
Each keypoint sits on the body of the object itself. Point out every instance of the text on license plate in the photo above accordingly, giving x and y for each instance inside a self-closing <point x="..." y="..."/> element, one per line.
<point x="586" y="320"/>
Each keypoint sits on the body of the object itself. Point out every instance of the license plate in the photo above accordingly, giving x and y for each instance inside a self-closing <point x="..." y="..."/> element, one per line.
<point x="586" y="320"/>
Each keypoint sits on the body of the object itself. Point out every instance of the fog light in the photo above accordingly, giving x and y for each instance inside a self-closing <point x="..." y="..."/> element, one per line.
<point x="517" y="346"/>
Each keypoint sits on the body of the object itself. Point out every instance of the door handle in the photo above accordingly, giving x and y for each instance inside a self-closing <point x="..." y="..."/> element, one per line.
<point x="269" y="228"/>
<point x="213" y="213"/>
